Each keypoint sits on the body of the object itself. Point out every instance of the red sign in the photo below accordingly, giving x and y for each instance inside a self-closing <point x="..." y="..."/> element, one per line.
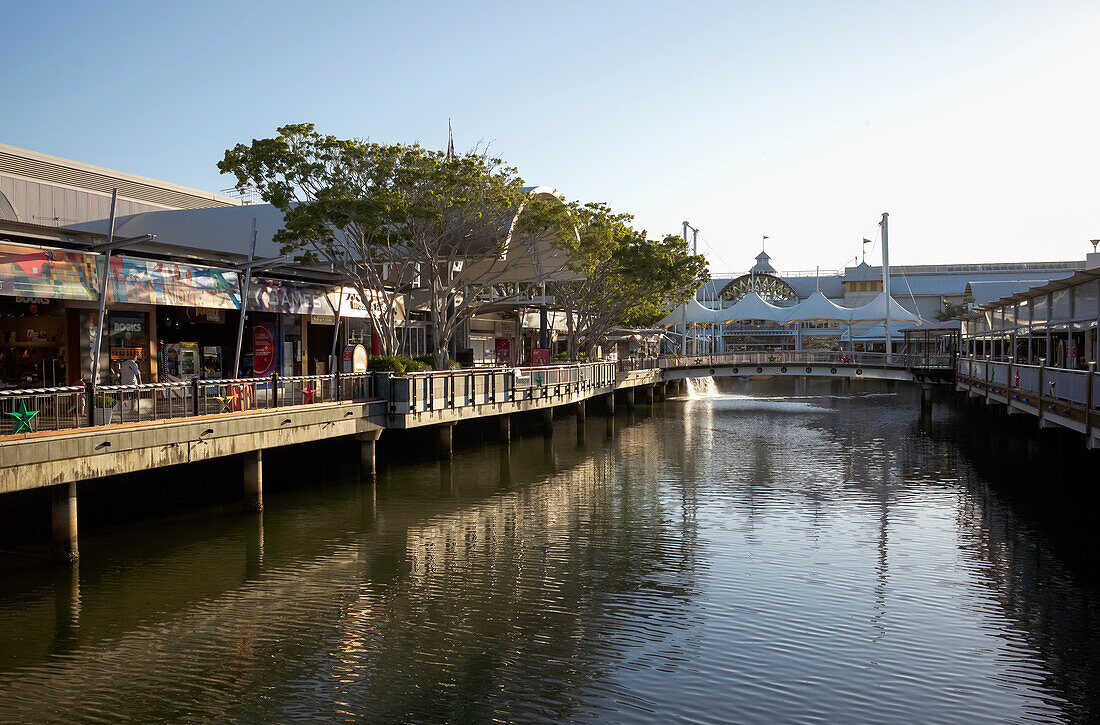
<point x="263" y="349"/>
<point x="540" y="356"/>
<point x="504" y="351"/>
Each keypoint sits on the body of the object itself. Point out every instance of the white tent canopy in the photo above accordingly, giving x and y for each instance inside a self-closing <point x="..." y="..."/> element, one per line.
<point x="690" y="311"/>
<point x="817" y="307"/>
<point x="876" y="310"/>
<point x="751" y="307"/>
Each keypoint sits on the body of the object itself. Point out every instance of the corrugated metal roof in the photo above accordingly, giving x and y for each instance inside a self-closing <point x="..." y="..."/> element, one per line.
<point x="66" y="172"/>
<point x="984" y="292"/>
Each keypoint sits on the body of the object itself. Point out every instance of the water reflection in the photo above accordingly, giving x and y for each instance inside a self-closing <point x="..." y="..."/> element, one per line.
<point x="768" y="555"/>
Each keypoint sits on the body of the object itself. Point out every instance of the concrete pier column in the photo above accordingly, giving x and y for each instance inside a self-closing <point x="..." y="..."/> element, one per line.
<point x="609" y="403"/>
<point x="547" y="422"/>
<point x="254" y="481"/>
<point x="580" y="412"/>
<point x="367" y="467"/>
<point x="444" y="446"/>
<point x="630" y="398"/>
<point x="504" y="427"/>
<point x="64" y="523"/>
<point x="925" y="395"/>
<point x="647" y="393"/>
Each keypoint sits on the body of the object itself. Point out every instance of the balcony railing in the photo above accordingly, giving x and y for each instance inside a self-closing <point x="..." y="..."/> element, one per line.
<point x="66" y="408"/>
<point x="1051" y="383"/>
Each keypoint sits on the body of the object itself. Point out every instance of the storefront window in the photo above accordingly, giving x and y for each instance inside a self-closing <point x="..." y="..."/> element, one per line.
<point x="32" y="342"/>
<point x="126" y="337"/>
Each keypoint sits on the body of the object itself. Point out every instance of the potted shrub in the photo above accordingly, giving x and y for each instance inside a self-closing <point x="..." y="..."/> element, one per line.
<point x="104" y="409"/>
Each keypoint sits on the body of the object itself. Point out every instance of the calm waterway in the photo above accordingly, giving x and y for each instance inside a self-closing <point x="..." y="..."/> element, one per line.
<point x="768" y="555"/>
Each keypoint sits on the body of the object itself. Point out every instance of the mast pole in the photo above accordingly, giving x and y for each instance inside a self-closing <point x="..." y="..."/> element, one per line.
<point x="886" y="277"/>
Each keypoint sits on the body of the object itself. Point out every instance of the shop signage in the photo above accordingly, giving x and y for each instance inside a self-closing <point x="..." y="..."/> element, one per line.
<point x="323" y="319"/>
<point x="263" y="348"/>
<point x="503" y="350"/>
<point x="540" y="356"/>
<point x="353" y="305"/>
<point x="355" y="359"/>
<point x="207" y="314"/>
<point x="294" y="298"/>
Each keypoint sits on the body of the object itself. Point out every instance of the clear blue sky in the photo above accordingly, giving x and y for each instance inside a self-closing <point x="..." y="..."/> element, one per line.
<point x="975" y="124"/>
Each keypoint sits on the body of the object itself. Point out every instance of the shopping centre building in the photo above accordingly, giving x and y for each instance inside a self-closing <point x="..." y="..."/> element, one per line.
<point x="804" y="320"/>
<point x="174" y="296"/>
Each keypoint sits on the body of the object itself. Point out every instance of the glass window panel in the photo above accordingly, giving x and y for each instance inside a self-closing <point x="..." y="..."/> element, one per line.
<point x="1060" y="305"/>
<point x="1086" y="298"/>
<point x="1039" y="309"/>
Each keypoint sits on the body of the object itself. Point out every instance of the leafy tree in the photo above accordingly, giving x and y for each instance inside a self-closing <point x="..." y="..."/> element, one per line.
<point x="473" y="228"/>
<point x="951" y="311"/>
<point x="396" y="219"/>
<point x="626" y="278"/>
<point x="341" y="209"/>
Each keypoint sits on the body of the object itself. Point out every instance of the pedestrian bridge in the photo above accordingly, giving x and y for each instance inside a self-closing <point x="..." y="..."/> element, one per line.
<point x="55" y="437"/>
<point x="825" y="364"/>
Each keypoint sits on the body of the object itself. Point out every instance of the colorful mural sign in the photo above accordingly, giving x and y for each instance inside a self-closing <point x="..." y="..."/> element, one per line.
<point x="33" y="272"/>
<point x="59" y="274"/>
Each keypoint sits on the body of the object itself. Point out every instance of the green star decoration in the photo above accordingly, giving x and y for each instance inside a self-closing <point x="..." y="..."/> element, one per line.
<point x="23" y="417"/>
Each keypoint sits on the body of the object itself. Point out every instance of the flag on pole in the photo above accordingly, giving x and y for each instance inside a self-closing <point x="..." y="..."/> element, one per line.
<point x="450" y="142"/>
<point x="763" y="238"/>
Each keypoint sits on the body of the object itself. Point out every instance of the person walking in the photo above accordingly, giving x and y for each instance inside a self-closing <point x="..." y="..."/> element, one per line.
<point x="131" y="375"/>
<point x="131" y="370"/>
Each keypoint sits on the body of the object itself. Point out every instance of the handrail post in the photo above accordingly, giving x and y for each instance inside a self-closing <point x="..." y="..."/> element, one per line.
<point x="275" y="390"/>
<point x="89" y="393"/>
<point x="1088" y="403"/>
<point x="194" y="396"/>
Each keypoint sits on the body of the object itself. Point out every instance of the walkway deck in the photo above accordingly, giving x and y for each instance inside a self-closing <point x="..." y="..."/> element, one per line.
<point x="150" y="426"/>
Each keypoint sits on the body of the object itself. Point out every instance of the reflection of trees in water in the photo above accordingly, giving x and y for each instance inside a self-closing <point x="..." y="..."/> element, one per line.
<point x="533" y="588"/>
<point x="414" y="605"/>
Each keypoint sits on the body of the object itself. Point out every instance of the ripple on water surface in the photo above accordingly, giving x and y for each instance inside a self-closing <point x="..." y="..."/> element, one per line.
<point x="748" y="557"/>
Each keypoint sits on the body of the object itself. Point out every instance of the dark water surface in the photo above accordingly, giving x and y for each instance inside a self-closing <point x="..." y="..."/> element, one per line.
<point x="756" y="557"/>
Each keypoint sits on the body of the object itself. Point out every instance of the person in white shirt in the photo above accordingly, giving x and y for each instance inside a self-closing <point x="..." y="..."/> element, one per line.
<point x="131" y="371"/>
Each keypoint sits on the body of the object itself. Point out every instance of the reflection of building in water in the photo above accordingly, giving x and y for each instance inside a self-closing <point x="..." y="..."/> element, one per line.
<point x="1036" y="591"/>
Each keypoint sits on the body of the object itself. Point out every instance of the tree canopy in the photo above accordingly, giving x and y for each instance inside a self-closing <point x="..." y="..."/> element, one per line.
<point x="628" y="278"/>
<point x="394" y="219"/>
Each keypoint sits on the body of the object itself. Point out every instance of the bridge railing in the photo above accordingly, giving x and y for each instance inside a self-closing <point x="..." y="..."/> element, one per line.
<point x="1051" y="383"/>
<point x="810" y="357"/>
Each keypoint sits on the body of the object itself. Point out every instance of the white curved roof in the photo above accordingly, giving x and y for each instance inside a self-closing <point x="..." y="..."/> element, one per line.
<point x="690" y="311"/>
<point x="817" y="307"/>
<point x="751" y="307"/>
<point x="876" y="309"/>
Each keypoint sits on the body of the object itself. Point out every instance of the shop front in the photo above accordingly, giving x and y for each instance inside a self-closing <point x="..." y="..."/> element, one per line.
<point x="33" y="342"/>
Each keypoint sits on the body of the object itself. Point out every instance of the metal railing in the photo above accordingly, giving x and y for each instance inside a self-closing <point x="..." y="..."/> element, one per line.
<point x="809" y="357"/>
<point x="450" y="389"/>
<point x="65" y="408"/>
<point x="1048" y="383"/>
<point x="34" y="409"/>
